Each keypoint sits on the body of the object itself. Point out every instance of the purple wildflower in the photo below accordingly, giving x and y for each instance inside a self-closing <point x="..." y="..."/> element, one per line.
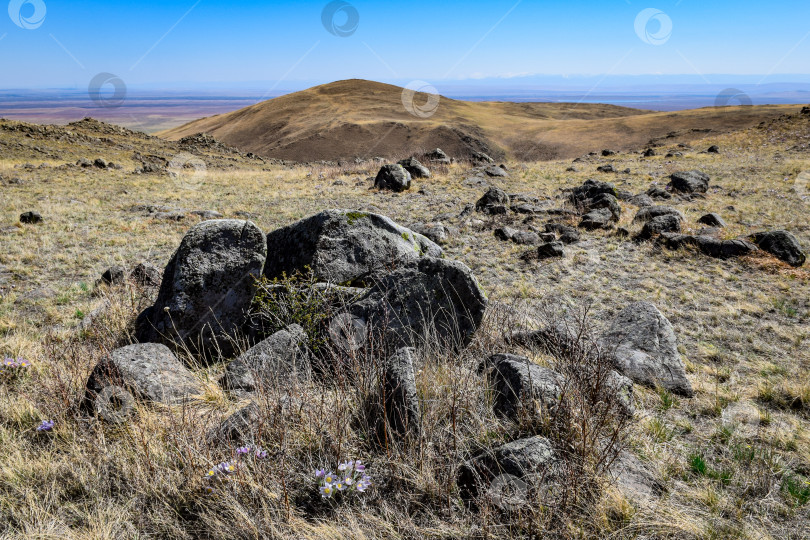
<point x="46" y="425"/>
<point x="261" y="454"/>
<point x="242" y="450"/>
<point x="320" y="473"/>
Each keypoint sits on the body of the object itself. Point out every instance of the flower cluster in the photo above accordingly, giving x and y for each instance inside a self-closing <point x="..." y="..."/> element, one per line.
<point x="221" y="474"/>
<point x="11" y="368"/>
<point x="45" y="426"/>
<point x="351" y="476"/>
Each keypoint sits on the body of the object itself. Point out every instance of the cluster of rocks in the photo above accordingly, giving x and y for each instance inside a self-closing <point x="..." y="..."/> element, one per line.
<point x="642" y="346"/>
<point x="98" y="163"/>
<point x="401" y="290"/>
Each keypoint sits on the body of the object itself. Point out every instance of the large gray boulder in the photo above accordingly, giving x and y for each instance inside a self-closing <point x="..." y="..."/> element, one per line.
<point x="394" y="178"/>
<point x="425" y="298"/>
<point x="207" y="288"/>
<point x="344" y="247"/>
<point x="522" y="462"/>
<point x="782" y="245"/>
<point x="601" y="218"/>
<point x="518" y="383"/>
<point x="147" y="371"/>
<point x="645" y="349"/>
<point x="689" y="182"/>
<point x="277" y="361"/>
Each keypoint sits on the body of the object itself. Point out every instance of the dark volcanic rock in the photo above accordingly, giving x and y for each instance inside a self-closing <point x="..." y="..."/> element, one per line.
<point x="277" y="362"/>
<point x="782" y="245"/>
<point x="518" y="382"/>
<point x="394" y="178"/>
<point x="343" y="247"/>
<point x="434" y="299"/>
<point x="658" y="225"/>
<point x="402" y="409"/>
<point x="597" y="219"/>
<point x="30" y="217"/>
<point x="550" y="249"/>
<point x="529" y="460"/>
<point x="689" y="182"/>
<point x="712" y="220"/>
<point x="416" y="169"/>
<point x="708" y="245"/>
<point x="494" y="197"/>
<point x="650" y="212"/>
<point x="207" y="288"/>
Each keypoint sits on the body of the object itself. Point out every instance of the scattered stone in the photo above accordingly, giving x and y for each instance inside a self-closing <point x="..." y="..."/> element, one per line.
<point x="435" y="232"/>
<point x="493" y="198"/>
<point x="30" y="217"/>
<point x="114" y="275"/>
<point x="114" y="404"/>
<point x="689" y="182"/>
<point x="550" y="249"/>
<point x="567" y="234"/>
<point x="597" y="219"/>
<point x="518" y="237"/>
<point x="642" y="200"/>
<point x="526" y="460"/>
<point x="604" y="200"/>
<point x="660" y="224"/>
<point x="649" y="152"/>
<point x="416" y="169"/>
<point x="712" y="220"/>
<point x="518" y="383"/>
<point x="438" y="156"/>
<point x="495" y="171"/>
<point x="651" y="212"/>
<point x="633" y="479"/>
<point x="84" y="163"/>
<point x="272" y="363"/>
<point x="342" y="246"/>
<point x="645" y="349"/>
<point x="207" y="288"/>
<point x="714" y="149"/>
<point x="401" y="399"/>
<point x="782" y="245"/>
<point x="708" y="245"/>
<point x="623" y="388"/>
<point x="393" y="178"/>
<point x="606" y="153"/>
<point x="591" y="189"/>
<point x="658" y="193"/>
<point x="606" y="169"/>
<point x="145" y="275"/>
<point x="101" y="163"/>
<point x="169" y="216"/>
<point x="207" y="214"/>
<point x="149" y="371"/>
<point x="482" y="157"/>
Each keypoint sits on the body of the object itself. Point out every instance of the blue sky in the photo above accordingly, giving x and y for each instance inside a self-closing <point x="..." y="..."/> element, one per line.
<point x="191" y="43"/>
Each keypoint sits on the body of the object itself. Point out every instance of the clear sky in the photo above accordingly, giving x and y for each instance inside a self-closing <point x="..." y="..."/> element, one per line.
<point x="60" y="43"/>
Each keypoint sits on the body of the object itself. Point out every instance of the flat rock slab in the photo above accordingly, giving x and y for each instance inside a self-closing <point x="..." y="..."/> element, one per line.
<point x="150" y="371"/>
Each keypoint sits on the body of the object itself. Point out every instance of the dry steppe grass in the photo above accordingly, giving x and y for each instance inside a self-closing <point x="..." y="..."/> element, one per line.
<point x="734" y="460"/>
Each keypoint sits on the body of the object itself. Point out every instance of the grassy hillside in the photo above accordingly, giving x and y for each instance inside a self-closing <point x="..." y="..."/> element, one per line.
<point x="734" y="461"/>
<point x="358" y="118"/>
